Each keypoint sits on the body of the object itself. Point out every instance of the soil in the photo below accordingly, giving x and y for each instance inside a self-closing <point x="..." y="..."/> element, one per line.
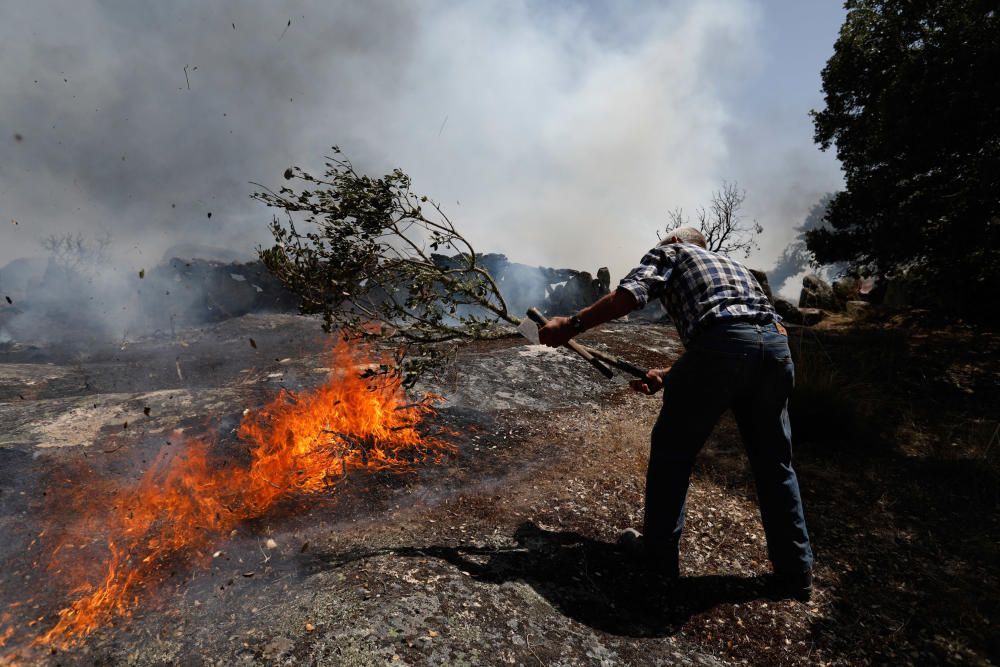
<point x="506" y="553"/>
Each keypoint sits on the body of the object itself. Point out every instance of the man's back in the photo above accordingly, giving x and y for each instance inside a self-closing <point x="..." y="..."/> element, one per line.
<point x="698" y="288"/>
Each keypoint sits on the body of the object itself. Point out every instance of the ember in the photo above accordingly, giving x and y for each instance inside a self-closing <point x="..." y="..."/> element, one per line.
<point x="299" y="443"/>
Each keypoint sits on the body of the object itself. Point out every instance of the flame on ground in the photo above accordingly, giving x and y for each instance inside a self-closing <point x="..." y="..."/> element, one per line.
<point x="299" y="443"/>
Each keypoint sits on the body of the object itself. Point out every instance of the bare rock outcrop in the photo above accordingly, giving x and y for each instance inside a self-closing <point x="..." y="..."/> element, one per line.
<point x="793" y="314"/>
<point x="578" y="292"/>
<point x="846" y="289"/>
<point x="817" y="293"/>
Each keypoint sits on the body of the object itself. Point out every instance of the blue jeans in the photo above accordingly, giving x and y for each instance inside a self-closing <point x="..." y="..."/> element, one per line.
<point x="746" y="367"/>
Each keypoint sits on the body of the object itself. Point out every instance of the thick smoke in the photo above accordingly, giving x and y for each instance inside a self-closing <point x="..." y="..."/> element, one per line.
<point x="796" y="261"/>
<point x="556" y="133"/>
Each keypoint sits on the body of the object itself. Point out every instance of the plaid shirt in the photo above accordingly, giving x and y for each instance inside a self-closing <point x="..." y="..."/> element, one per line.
<point x="698" y="288"/>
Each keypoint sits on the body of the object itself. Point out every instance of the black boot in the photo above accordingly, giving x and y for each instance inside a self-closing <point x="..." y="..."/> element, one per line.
<point x="658" y="559"/>
<point x="791" y="585"/>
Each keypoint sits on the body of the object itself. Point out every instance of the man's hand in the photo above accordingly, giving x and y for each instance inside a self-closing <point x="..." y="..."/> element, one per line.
<point x="609" y="307"/>
<point x="557" y="332"/>
<point x="652" y="383"/>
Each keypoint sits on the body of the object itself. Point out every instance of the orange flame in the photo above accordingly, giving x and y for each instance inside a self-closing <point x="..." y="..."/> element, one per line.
<point x="299" y="444"/>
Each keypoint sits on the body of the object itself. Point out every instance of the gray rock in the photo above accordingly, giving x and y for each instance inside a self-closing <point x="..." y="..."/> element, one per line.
<point x="554" y="291"/>
<point x="604" y="279"/>
<point x="785" y="308"/>
<point x="209" y="291"/>
<point x="579" y="292"/>
<point x="762" y="279"/>
<point x="817" y="293"/>
<point x="794" y="315"/>
<point x="846" y="289"/>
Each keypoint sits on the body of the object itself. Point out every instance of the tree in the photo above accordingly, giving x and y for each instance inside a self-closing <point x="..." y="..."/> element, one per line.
<point x="722" y="223"/>
<point x="367" y="261"/>
<point x="74" y="254"/>
<point x="912" y="100"/>
<point x="796" y="257"/>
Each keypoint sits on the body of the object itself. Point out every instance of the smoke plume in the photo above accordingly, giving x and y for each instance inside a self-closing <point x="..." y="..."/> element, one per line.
<point x="559" y="134"/>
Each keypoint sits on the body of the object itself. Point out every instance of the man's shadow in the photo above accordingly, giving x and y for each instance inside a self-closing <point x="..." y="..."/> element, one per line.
<point x="592" y="582"/>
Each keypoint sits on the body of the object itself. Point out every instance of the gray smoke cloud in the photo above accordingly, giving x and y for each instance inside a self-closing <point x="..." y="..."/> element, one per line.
<point x="557" y="133"/>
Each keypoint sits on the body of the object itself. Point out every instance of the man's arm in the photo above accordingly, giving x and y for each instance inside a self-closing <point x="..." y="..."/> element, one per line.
<point x="609" y="307"/>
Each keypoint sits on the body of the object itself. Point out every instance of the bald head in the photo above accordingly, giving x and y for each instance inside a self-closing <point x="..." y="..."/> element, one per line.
<point x="685" y="235"/>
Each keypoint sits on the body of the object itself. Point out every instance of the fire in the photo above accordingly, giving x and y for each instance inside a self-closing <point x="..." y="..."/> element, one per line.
<point x="299" y="443"/>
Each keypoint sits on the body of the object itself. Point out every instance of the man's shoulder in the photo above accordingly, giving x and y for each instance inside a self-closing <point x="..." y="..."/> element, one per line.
<point x="697" y="254"/>
<point x="708" y="256"/>
<point x="660" y="253"/>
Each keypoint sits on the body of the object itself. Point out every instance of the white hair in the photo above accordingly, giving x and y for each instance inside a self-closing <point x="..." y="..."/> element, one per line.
<point x="685" y="235"/>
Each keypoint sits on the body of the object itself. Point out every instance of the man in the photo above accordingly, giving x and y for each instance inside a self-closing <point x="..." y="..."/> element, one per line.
<point x="736" y="356"/>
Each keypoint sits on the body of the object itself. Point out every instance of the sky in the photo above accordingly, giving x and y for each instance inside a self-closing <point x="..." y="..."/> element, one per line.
<point x="559" y="133"/>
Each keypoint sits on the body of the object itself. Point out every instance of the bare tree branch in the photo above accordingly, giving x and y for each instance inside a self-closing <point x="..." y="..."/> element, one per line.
<point x="722" y="223"/>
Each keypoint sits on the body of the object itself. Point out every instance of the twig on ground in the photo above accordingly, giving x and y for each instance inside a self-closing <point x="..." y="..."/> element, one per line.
<point x="527" y="642"/>
<point x="262" y="553"/>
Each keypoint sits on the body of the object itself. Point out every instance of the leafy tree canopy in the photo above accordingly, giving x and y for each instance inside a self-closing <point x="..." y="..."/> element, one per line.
<point x="912" y="97"/>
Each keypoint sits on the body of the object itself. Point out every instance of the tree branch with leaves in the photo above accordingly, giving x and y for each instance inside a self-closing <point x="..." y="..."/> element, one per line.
<point x="368" y="254"/>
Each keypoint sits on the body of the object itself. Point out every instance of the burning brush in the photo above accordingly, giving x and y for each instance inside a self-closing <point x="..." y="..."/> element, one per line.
<point x="299" y="443"/>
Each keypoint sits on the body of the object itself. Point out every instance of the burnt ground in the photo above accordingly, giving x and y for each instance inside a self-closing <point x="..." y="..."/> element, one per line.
<point x="505" y="554"/>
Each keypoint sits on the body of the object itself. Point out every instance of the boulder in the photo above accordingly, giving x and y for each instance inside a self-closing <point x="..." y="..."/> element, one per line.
<point x="194" y="291"/>
<point x="603" y="280"/>
<point x="846" y="289"/>
<point x="579" y="292"/>
<point x="764" y="285"/>
<point x="792" y="314"/>
<point x="811" y="316"/>
<point x="817" y="293"/>
<point x="524" y="286"/>
<point x="785" y="308"/>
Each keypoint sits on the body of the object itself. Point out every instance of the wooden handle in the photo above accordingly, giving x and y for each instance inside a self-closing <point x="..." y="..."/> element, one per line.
<point x="620" y="364"/>
<point x="540" y="320"/>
